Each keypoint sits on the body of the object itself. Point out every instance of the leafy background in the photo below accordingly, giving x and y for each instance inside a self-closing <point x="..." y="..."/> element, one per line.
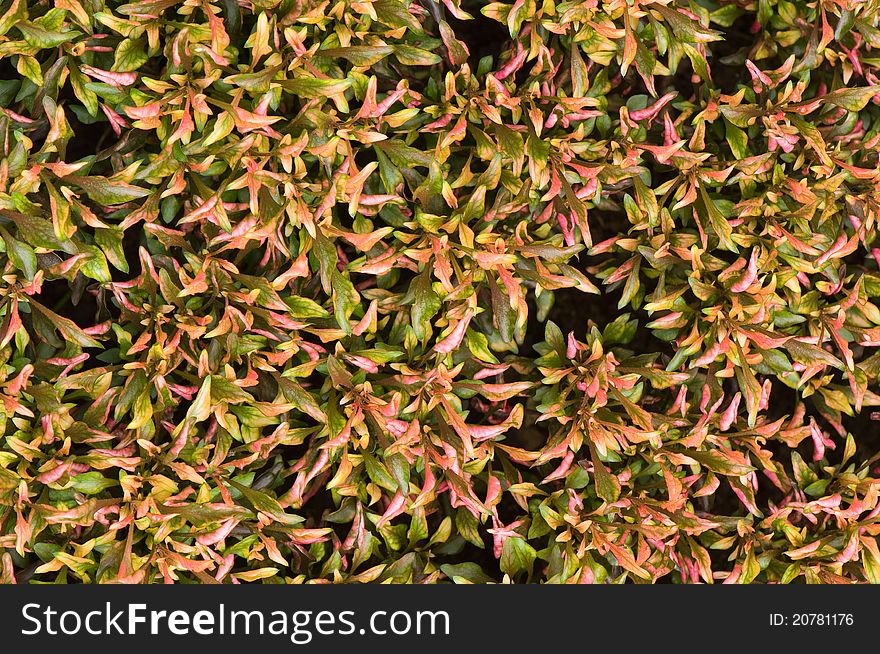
<point x="394" y="291"/>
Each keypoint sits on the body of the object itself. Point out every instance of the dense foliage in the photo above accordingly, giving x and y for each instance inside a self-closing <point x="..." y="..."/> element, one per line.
<point x="419" y="291"/>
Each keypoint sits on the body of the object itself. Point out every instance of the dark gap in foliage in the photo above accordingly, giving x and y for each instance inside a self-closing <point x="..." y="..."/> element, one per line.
<point x="633" y="84"/>
<point x="57" y="295"/>
<point x="266" y="389"/>
<point x="92" y="362"/>
<point x="485" y="412"/>
<point x="88" y="138"/>
<point x="107" y="306"/>
<point x="722" y="502"/>
<point x="783" y="399"/>
<point x="856" y="261"/>
<point x="573" y="310"/>
<point x="318" y="504"/>
<point x="7" y="70"/>
<point x="534" y="328"/>
<point x="729" y="55"/>
<point x="132" y="240"/>
<point x="248" y="261"/>
<point x="508" y="510"/>
<point x="662" y="174"/>
<point x="865" y="429"/>
<point x="482" y="35"/>
<point x="362" y="157"/>
<point x="465" y="551"/>
<point x="604" y="224"/>
<point x="293" y="453"/>
<point x="682" y="81"/>
<point x="531" y="436"/>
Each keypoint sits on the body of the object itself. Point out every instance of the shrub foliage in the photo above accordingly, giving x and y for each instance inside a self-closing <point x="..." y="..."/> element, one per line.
<point x="420" y="291"/>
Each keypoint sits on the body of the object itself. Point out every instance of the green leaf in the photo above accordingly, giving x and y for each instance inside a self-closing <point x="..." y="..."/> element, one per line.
<point x="811" y="355"/>
<point x="66" y="327"/>
<point x="303" y="307"/>
<point x="110" y="241"/>
<point x="717" y="221"/>
<point x="224" y="391"/>
<point x="379" y="474"/>
<point x="359" y="55"/>
<point x="395" y="13"/>
<point x="683" y="27"/>
<point x="845" y="24"/>
<point x="517" y="556"/>
<point x="426" y="303"/>
<point x="95" y="267"/>
<point x="311" y="87"/>
<point x="30" y="68"/>
<point x="403" y="155"/>
<point x="410" y="55"/>
<point x="39" y="37"/>
<point x="607" y="485"/>
<point x="16" y="11"/>
<point x="852" y="99"/>
<point x="718" y="462"/>
<point x="345" y="299"/>
<point x="264" y="503"/>
<point x="84" y="94"/>
<point x="107" y="192"/>
<point x="737" y="139"/>
<point x="21" y="255"/>
<point x="129" y="56"/>
<point x="467" y="573"/>
<point x="200" y="409"/>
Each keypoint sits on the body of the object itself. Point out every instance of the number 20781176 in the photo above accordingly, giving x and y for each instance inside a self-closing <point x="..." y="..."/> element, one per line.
<point x="812" y="620"/>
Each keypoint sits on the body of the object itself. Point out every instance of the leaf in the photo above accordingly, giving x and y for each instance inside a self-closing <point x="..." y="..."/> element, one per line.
<point x="410" y="55"/>
<point x="200" y="409"/>
<point x="95" y="265"/>
<point x="266" y="504"/>
<point x="16" y="11"/>
<point x="718" y="222"/>
<point x="92" y="483"/>
<point x="201" y="515"/>
<point x="813" y="137"/>
<point x="42" y="38"/>
<point x="395" y="13"/>
<point x="852" y="99"/>
<point x="749" y="385"/>
<point x="311" y="87"/>
<point x="607" y="485"/>
<point x="107" y="192"/>
<point x="718" y="462"/>
<point x="303" y="307"/>
<point x="467" y="572"/>
<point x="256" y="574"/>
<point x="345" y="299"/>
<point x="683" y="27"/>
<point x="21" y="255"/>
<point x="811" y="355"/>
<point x="68" y="328"/>
<point x="517" y="556"/>
<point x="129" y="56"/>
<point x="84" y="94"/>
<point x="737" y="139"/>
<point x="110" y="241"/>
<point x="359" y="55"/>
<point x="402" y="155"/>
<point x="426" y="304"/>
<point x="30" y="68"/>
<point x="379" y="474"/>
